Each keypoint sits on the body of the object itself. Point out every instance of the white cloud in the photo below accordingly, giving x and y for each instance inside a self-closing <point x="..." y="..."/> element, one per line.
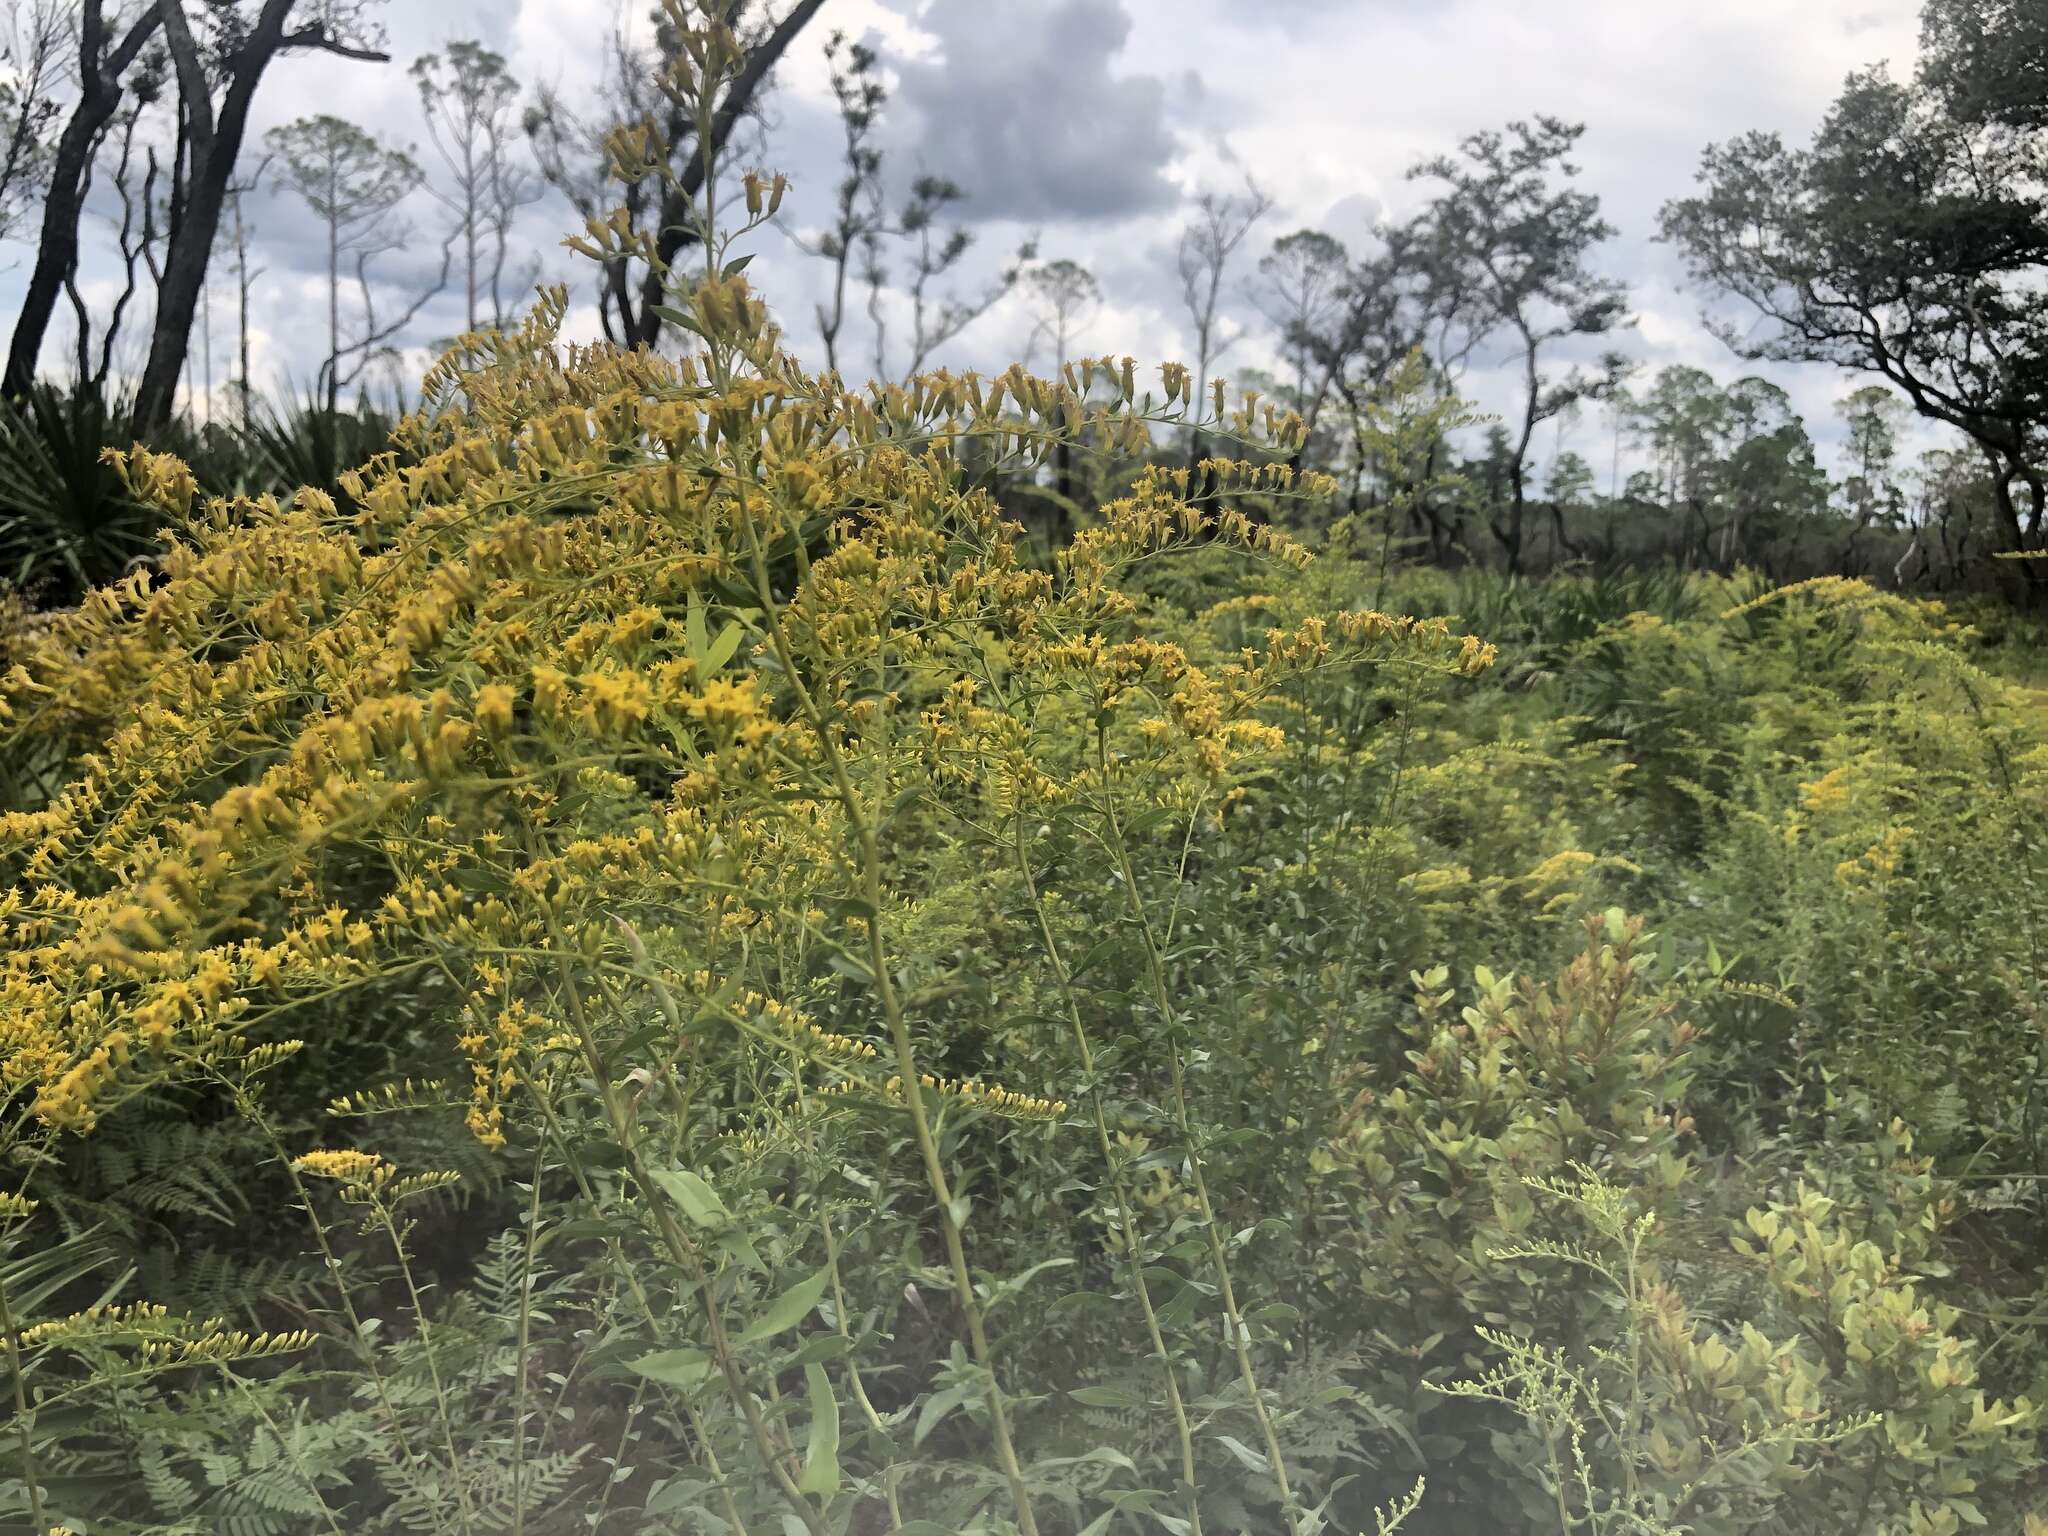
<point x="1087" y="120"/>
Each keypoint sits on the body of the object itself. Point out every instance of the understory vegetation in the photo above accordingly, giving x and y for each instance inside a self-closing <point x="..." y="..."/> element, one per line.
<point x="647" y="963"/>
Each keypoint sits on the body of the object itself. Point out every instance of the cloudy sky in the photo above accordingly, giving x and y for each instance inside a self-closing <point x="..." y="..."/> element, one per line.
<point x="1091" y="124"/>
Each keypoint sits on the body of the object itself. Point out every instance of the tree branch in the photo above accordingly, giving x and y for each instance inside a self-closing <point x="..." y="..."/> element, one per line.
<point x="320" y="40"/>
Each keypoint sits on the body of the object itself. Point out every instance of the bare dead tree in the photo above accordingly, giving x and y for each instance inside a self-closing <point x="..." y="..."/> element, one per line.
<point x="106" y="53"/>
<point x="243" y="39"/>
<point x="935" y="318"/>
<point x="31" y="56"/>
<point x="1065" y="293"/>
<point x="857" y="202"/>
<point x="467" y="96"/>
<point x="238" y="238"/>
<point x="1211" y="239"/>
<point x="137" y="240"/>
<point x="354" y="185"/>
<point x="1301" y="291"/>
<point x="373" y="341"/>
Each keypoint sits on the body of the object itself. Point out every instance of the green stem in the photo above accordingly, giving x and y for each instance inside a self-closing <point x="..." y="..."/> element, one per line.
<point x="525" y="1340"/>
<point x="246" y="1106"/>
<point x="419" y="1313"/>
<point x="899" y="1026"/>
<point x="892" y="1473"/>
<point x="1155" y="963"/>
<point x="285" y="1444"/>
<point x="24" y="1421"/>
<point x="679" y="1245"/>
<point x="1134" y="1256"/>
<point x="646" y="1303"/>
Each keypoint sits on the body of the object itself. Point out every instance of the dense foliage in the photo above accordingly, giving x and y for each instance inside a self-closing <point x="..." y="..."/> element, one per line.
<point x="649" y="965"/>
<point x="68" y="523"/>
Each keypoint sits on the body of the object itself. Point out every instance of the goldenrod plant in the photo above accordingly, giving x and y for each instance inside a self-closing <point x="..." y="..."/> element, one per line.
<point x="652" y="966"/>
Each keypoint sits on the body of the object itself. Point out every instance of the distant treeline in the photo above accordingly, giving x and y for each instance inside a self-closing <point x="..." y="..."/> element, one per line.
<point x="1905" y="242"/>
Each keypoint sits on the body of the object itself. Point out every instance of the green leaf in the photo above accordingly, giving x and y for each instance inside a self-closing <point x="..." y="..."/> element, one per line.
<point x="1105" y="1397"/>
<point x="693" y="626"/>
<point x="722" y="648"/>
<point x="698" y="1199"/>
<point x="682" y="1368"/>
<point x="1275" y="1314"/>
<point x="675" y="1496"/>
<point x="1108" y="1456"/>
<point x="1180" y="1308"/>
<point x="1243" y="1453"/>
<point x="677" y="317"/>
<point x="1147" y="822"/>
<point x="734" y="1243"/>
<point x="729" y="588"/>
<point x="821" y="1347"/>
<point x="850" y="968"/>
<point x="821" y="1454"/>
<point x="787" y="1310"/>
<point x="844" y="907"/>
<point x="1100" y="951"/>
<point x="805" y="533"/>
<point x="1076" y="1299"/>
<point x="1018" y="1282"/>
<point x="936" y="1407"/>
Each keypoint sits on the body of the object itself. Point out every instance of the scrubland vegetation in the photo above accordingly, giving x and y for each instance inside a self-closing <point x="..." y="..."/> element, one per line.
<point x="649" y="960"/>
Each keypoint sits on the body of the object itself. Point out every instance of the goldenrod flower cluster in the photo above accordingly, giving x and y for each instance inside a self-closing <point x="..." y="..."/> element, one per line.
<point x="367" y="1179"/>
<point x="497" y="1055"/>
<point x="390" y="1098"/>
<point x="989" y="1096"/>
<point x="219" y="1346"/>
<point x="605" y="636"/>
<point x="162" y="1338"/>
<point x="347" y="1166"/>
<point x="95" y="1322"/>
<point x="824" y="1042"/>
